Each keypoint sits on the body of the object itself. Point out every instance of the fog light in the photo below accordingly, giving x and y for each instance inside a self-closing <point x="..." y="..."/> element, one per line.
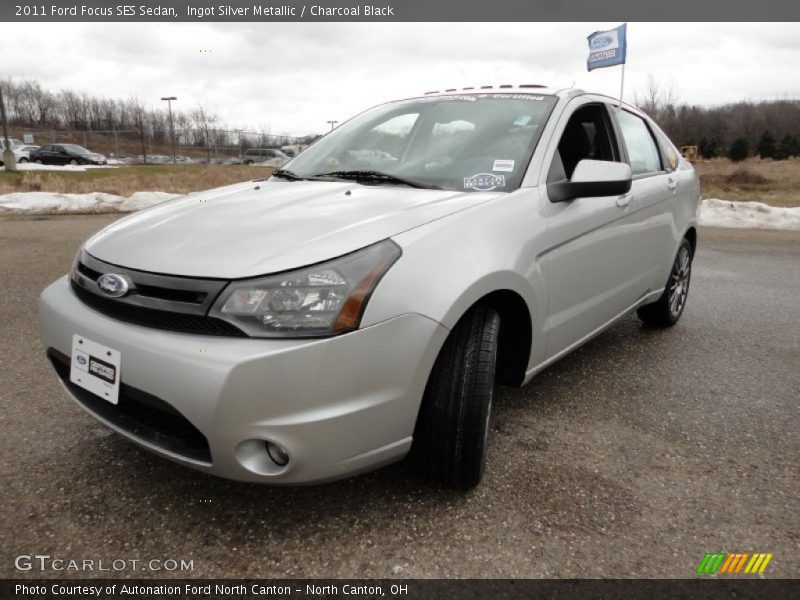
<point x="278" y="454"/>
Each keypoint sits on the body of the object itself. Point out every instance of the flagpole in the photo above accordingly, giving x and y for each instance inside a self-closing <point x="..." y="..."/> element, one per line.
<point x="621" y="85"/>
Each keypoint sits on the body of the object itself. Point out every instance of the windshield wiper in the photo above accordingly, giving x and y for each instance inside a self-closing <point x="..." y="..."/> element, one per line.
<point x="292" y="176"/>
<point x="377" y="177"/>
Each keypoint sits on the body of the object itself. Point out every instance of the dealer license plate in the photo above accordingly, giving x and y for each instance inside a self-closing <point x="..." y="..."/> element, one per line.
<point x="95" y="368"/>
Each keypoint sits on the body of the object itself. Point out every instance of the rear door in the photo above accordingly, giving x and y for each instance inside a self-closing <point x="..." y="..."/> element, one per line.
<point x="654" y="190"/>
<point x="590" y="259"/>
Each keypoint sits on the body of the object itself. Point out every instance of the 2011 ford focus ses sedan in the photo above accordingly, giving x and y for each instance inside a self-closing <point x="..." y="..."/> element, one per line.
<point x="362" y="302"/>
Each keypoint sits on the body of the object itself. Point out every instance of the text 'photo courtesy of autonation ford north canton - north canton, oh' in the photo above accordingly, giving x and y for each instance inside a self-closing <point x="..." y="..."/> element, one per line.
<point x="406" y="300"/>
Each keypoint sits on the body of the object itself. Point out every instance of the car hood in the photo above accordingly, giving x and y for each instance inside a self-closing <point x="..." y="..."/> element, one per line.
<point x="257" y="228"/>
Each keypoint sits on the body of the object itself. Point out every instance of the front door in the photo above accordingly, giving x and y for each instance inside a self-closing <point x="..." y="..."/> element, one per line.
<point x="591" y="259"/>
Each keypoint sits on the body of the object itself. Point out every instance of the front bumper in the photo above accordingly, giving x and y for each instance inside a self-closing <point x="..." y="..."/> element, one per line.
<point x="338" y="405"/>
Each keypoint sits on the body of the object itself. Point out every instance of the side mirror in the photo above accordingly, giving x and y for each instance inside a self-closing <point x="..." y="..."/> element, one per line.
<point x="592" y="178"/>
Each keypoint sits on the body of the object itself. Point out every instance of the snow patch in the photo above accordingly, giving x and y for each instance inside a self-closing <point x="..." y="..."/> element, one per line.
<point x="748" y="215"/>
<point x="94" y="202"/>
<point x="29" y="166"/>
<point x="713" y="212"/>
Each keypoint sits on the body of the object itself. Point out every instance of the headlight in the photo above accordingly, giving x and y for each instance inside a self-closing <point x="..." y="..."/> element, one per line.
<point x="321" y="300"/>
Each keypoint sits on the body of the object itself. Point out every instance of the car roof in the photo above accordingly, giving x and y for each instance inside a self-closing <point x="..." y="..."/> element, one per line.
<point x="534" y="89"/>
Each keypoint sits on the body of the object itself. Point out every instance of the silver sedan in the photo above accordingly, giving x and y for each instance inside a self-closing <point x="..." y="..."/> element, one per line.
<point x="362" y="303"/>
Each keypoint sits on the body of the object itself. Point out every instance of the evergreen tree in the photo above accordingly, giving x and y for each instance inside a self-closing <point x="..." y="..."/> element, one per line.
<point x="739" y="150"/>
<point x="766" y="145"/>
<point x="702" y="147"/>
<point x="788" y="147"/>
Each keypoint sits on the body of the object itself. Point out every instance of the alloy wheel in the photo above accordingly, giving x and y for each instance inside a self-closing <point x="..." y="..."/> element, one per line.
<point x="679" y="281"/>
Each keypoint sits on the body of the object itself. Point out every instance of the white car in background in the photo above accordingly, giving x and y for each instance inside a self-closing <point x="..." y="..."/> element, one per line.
<point x="362" y="303"/>
<point x="22" y="153"/>
<point x="12" y="142"/>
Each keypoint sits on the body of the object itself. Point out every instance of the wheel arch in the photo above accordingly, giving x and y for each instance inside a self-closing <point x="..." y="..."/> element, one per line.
<point x="691" y="235"/>
<point x="515" y="338"/>
<point x="515" y="343"/>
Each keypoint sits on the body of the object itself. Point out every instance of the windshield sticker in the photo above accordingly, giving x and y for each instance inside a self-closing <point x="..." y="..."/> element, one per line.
<point x="506" y="166"/>
<point x="517" y="97"/>
<point x="484" y="182"/>
<point x="522" y="120"/>
<point x="439" y="98"/>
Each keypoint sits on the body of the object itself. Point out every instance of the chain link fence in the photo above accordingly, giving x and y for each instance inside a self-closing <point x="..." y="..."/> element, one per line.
<point x="153" y="146"/>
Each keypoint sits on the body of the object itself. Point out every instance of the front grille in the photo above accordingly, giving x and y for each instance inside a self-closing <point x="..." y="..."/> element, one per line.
<point x="141" y="414"/>
<point x="160" y="301"/>
<point x="159" y="319"/>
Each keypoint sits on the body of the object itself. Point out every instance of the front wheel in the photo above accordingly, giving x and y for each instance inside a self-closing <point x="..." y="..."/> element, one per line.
<point x="23" y="160"/>
<point x="452" y="430"/>
<point x="73" y="162"/>
<point x="39" y="161"/>
<point x="666" y="311"/>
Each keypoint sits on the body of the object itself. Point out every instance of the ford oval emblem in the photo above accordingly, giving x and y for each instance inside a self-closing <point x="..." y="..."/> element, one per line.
<point x="601" y="41"/>
<point x="113" y="285"/>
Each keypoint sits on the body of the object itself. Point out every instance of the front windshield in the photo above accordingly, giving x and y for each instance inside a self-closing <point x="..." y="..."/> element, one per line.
<point x="473" y="143"/>
<point x="75" y="149"/>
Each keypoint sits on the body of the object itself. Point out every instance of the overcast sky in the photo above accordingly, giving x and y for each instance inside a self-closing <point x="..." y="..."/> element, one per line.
<point x="293" y="77"/>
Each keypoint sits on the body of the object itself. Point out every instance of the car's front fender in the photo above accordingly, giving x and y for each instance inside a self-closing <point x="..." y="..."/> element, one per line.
<point x="450" y="264"/>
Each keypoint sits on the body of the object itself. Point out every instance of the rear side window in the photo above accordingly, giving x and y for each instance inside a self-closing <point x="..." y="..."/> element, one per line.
<point x="642" y="150"/>
<point x="669" y="153"/>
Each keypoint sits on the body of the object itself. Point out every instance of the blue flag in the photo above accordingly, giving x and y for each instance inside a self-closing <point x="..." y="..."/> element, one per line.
<point x="607" y="48"/>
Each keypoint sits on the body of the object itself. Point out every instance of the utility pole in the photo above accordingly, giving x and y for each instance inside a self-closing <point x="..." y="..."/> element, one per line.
<point x="9" y="159"/>
<point x="169" y="100"/>
<point x="332" y="124"/>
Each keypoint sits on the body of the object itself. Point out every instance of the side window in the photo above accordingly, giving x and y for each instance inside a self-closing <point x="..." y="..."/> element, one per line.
<point x="587" y="135"/>
<point x="642" y="150"/>
<point x="669" y="154"/>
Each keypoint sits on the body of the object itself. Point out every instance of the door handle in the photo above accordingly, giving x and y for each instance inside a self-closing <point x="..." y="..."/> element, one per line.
<point x="624" y="200"/>
<point x="672" y="184"/>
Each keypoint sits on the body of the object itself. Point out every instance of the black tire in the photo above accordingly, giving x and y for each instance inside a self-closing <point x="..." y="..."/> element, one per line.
<point x="39" y="161"/>
<point x="451" y="435"/>
<point x="73" y="162"/>
<point x="666" y="311"/>
<point x="23" y="160"/>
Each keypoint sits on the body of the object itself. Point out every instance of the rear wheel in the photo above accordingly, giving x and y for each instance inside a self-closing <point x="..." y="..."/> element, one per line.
<point x="452" y="429"/>
<point x="666" y="311"/>
<point x="73" y="162"/>
<point x="39" y="161"/>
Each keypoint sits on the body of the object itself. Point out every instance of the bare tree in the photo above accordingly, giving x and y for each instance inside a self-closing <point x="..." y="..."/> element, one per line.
<point x="204" y="122"/>
<point x="139" y="119"/>
<point x="657" y="98"/>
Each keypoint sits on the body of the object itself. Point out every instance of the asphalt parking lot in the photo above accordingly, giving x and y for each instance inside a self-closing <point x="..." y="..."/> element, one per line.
<point x="632" y="457"/>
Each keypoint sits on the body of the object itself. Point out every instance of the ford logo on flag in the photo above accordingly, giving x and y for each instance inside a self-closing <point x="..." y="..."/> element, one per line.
<point x="114" y="285"/>
<point x="601" y="41"/>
